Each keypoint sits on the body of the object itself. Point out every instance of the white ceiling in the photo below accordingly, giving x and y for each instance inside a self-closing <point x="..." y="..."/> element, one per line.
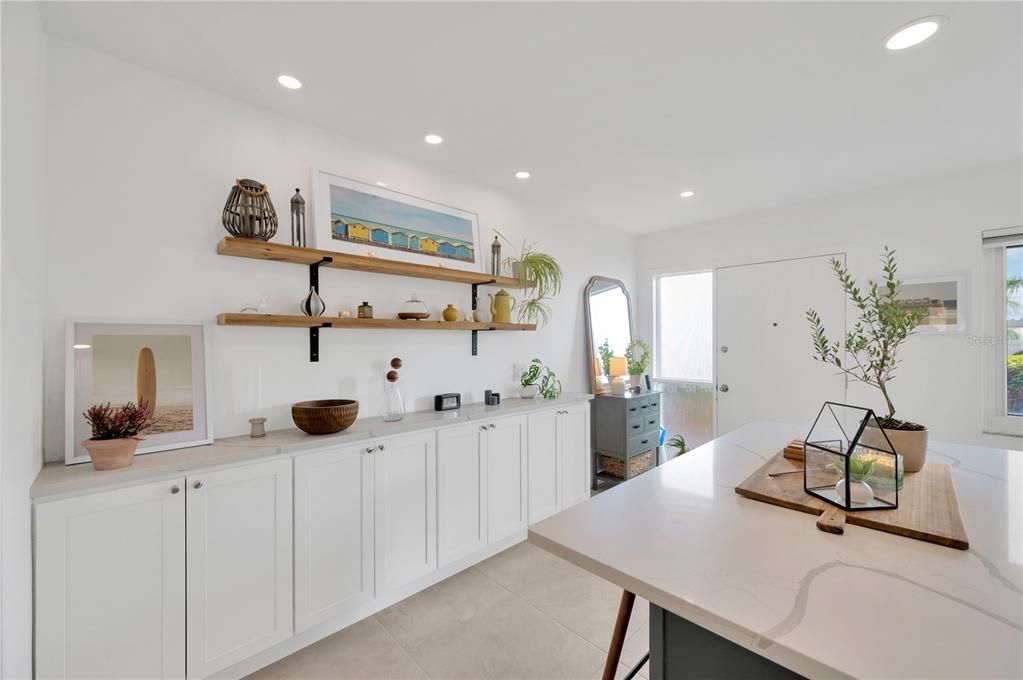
<point x="614" y="108"/>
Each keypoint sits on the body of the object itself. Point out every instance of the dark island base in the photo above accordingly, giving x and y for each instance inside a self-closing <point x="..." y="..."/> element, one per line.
<point x="680" y="649"/>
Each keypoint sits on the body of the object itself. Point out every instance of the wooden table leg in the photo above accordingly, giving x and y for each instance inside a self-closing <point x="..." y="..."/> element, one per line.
<point x="614" y="652"/>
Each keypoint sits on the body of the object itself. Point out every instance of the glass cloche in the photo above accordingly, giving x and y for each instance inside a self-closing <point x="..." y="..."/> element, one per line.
<point x="414" y="308"/>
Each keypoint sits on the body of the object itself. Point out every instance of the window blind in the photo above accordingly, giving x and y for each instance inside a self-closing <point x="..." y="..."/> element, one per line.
<point x="1001" y="238"/>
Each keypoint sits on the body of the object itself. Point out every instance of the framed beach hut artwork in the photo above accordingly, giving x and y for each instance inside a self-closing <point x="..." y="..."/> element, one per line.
<point x="940" y="300"/>
<point x="164" y="365"/>
<point x="363" y="219"/>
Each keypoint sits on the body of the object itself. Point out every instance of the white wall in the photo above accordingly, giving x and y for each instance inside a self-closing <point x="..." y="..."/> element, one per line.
<point x="138" y="168"/>
<point x="21" y="360"/>
<point x="934" y="224"/>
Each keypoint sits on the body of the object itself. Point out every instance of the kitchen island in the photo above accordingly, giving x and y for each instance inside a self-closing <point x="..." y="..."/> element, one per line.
<point x="730" y="579"/>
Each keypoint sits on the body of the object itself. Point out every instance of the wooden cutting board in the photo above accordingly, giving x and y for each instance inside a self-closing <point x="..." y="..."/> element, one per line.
<point x="928" y="508"/>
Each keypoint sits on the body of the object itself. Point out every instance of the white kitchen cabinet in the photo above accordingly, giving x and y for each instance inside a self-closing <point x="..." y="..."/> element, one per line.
<point x="544" y="465"/>
<point x="333" y="533"/>
<point x="239" y="563"/>
<point x="405" y="503"/>
<point x="110" y="584"/>
<point x="574" y="453"/>
<point x="506" y="477"/>
<point x="461" y="486"/>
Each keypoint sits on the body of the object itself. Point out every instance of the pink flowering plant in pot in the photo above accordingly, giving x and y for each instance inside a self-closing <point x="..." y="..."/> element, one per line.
<point x="115" y="433"/>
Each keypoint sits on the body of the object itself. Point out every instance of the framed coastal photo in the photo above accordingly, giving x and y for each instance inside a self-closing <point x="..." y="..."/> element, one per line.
<point x="363" y="219"/>
<point x="941" y="299"/>
<point x="160" y="363"/>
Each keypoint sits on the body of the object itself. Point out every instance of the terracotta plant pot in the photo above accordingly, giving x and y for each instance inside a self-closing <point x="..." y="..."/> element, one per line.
<point x="110" y="454"/>
<point x="910" y="444"/>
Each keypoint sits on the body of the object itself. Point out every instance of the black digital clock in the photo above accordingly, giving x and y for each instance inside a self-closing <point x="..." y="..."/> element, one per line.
<point x="447" y="402"/>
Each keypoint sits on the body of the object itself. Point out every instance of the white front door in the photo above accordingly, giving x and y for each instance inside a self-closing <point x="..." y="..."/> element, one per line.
<point x="765" y="367"/>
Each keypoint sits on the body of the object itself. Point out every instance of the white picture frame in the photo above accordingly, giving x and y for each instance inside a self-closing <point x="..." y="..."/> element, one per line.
<point x="79" y="339"/>
<point x="423" y="231"/>
<point x="949" y="295"/>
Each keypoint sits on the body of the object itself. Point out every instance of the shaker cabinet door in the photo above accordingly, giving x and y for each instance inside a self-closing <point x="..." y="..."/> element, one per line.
<point x="544" y="466"/>
<point x="239" y="547"/>
<point x="461" y="510"/>
<point x="506" y="478"/>
<point x="574" y="453"/>
<point x="110" y="584"/>
<point x="405" y="503"/>
<point x="333" y="533"/>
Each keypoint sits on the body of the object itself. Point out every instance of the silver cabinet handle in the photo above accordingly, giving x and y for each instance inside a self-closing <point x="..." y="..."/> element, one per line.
<point x="723" y="388"/>
<point x="197" y="484"/>
<point x="368" y="449"/>
<point x="175" y="489"/>
<point x="482" y="427"/>
<point x="380" y="447"/>
<point x="492" y="426"/>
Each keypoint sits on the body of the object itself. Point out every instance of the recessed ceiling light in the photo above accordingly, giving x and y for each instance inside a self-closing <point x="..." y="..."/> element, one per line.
<point x="381" y="184"/>
<point x="522" y="174"/>
<point x="433" y="139"/>
<point x="81" y="346"/>
<point x="290" y="82"/>
<point x="687" y="194"/>
<point x="913" y="33"/>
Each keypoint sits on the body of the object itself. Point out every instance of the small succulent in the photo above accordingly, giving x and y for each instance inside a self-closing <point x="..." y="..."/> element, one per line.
<point x="859" y="469"/>
<point x="122" y="422"/>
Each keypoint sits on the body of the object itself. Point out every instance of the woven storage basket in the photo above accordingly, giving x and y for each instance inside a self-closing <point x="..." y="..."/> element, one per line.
<point x="615" y="467"/>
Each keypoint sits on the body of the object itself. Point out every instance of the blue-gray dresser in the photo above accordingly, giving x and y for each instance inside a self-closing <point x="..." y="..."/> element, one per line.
<point x="626" y="433"/>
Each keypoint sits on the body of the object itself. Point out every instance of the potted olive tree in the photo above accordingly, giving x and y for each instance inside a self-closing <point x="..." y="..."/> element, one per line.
<point x="115" y="433"/>
<point x="871" y="350"/>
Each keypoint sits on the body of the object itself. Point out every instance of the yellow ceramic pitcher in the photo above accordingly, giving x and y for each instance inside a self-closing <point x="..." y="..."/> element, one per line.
<point x="501" y="306"/>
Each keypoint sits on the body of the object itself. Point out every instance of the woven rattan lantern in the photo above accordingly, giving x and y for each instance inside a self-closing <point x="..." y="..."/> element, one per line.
<point x="248" y="212"/>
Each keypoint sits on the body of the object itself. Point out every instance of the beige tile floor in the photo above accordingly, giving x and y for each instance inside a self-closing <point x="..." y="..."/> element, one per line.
<point x="521" y="614"/>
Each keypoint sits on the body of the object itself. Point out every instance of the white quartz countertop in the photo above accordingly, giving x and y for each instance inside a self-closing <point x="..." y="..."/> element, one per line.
<point x="865" y="604"/>
<point x="57" y="480"/>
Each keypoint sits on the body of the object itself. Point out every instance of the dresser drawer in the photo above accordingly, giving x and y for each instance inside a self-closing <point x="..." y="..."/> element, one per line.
<point x="643" y="442"/>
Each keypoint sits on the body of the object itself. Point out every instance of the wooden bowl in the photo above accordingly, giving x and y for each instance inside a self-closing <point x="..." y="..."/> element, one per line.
<point x="325" y="416"/>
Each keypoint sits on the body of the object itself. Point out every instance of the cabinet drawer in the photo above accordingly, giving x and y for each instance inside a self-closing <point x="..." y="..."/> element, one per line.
<point x="642" y="442"/>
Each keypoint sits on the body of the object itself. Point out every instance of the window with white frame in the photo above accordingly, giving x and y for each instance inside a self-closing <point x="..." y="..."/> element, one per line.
<point x="684" y="354"/>
<point x="1003" y="325"/>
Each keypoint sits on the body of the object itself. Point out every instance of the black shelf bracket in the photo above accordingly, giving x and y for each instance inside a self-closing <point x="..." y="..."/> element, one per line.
<point x="475" y="297"/>
<point x="314" y="331"/>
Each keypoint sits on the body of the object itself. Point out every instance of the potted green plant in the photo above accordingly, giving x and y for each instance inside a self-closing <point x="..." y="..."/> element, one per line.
<point x="637" y="359"/>
<point x="872" y="347"/>
<point x="859" y="470"/>
<point x="605" y="358"/>
<point x="541" y="278"/>
<point x="678" y="443"/>
<point x="539" y="380"/>
<point x="115" y="433"/>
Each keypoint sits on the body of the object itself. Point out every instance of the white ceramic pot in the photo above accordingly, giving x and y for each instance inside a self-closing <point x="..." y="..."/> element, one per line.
<point x="634" y="380"/>
<point x="911" y="444"/>
<point x="860" y="493"/>
<point x="529" y="391"/>
<point x="482" y="315"/>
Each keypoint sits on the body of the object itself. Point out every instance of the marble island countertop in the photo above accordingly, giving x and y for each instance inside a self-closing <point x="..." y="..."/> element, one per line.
<point x="865" y="604"/>
<point x="57" y="480"/>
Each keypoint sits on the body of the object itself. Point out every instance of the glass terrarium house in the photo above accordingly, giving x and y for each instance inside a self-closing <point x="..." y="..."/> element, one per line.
<point x="848" y="460"/>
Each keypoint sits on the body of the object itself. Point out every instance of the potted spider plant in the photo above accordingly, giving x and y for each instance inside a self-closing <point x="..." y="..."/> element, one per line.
<point x="871" y="348"/>
<point x="541" y="278"/>
<point x="116" y="433"/>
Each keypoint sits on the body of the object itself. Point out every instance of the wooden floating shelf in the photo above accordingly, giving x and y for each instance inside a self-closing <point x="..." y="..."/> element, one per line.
<point x="286" y="321"/>
<point x="279" y="252"/>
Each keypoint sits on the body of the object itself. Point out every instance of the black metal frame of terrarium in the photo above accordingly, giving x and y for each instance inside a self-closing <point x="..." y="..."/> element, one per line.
<point x="831" y="456"/>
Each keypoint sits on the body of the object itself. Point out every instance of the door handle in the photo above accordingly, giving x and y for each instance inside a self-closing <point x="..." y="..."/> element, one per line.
<point x="197" y="484"/>
<point x="723" y="388"/>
